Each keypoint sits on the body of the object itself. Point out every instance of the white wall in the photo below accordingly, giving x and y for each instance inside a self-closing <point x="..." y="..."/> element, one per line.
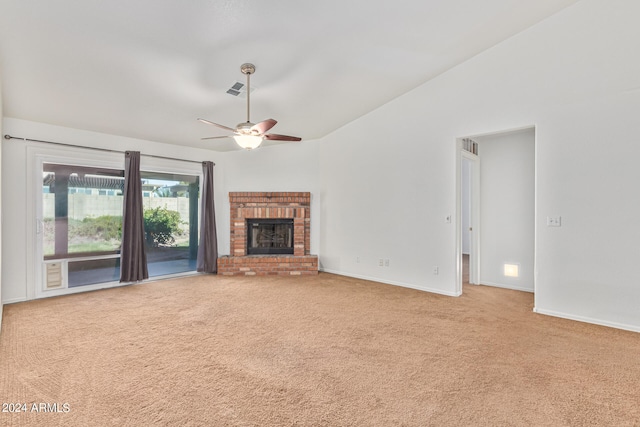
<point x="507" y="206"/>
<point x="385" y="195"/>
<point x="575" y="76"/>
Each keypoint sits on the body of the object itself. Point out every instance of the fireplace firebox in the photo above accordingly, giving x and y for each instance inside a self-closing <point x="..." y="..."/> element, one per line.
<point x="269" y="236"/>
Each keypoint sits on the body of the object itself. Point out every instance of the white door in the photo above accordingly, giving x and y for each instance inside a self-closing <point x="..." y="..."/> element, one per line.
<point x="473" y="225"/>
<point x="468" y="231"/>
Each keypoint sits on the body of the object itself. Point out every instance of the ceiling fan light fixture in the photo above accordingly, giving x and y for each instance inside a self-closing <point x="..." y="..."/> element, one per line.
<point x="250" y="135"/>
<point x="248" y="142"/>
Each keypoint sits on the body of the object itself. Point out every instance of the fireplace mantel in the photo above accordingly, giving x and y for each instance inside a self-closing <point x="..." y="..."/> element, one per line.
<point x="273" y="205"/>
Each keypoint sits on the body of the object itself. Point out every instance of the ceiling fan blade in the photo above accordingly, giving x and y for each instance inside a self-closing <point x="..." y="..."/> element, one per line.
<point x="216" y="137"/>
<point x="264" y="125"/>
<point x="276" y="137"/>
<point x="216" y="124"/>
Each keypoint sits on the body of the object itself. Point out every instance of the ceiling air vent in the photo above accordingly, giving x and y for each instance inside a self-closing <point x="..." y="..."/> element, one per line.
<point x="235" y="89"/>
<point x="239" y="89"/>
<point x="470" y="145"/>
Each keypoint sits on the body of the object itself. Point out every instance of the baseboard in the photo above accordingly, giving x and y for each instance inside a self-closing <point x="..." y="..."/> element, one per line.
<point x="623" y="326"/>
<point x="514" y="288"/>
<point x="14" y="300"/>
<point x="1" y="317"/>
<point x="391" y="282"/>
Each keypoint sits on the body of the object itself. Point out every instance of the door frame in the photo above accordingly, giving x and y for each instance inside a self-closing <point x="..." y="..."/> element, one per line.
<point x="474" y="267"/>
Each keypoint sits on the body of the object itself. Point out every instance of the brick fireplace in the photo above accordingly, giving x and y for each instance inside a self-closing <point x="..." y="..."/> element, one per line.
<point x="269" y="205"/>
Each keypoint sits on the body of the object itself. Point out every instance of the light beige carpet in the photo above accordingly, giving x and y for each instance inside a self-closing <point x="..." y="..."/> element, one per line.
<point x="319" y="351"/>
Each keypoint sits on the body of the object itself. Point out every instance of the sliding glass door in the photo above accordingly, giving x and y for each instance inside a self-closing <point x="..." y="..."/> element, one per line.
<point x="80" y="224"/>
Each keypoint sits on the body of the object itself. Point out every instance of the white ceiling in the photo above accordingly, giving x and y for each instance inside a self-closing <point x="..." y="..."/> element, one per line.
<point x="148" y="68"/>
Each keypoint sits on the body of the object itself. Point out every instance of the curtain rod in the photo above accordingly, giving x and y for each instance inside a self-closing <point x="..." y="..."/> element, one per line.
<point x="99" y="149"/>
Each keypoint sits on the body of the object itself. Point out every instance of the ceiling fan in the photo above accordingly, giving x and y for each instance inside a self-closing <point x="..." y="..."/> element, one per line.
<point x="249" y="135"/>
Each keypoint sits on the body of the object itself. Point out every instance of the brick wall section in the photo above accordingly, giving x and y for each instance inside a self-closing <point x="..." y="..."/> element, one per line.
<point x="293" y="205"/>
<point x="268" y="265"/>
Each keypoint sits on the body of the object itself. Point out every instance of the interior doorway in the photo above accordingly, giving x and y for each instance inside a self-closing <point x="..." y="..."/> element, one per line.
<point x="496" y="210"/>
<point x="469" y="179"/>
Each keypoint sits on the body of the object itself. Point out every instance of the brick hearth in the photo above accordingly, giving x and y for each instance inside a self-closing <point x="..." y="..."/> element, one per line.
<point x="250" y="205"/>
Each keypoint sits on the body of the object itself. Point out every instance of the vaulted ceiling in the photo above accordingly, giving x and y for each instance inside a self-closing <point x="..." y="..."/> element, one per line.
<point x="148" y="68"/>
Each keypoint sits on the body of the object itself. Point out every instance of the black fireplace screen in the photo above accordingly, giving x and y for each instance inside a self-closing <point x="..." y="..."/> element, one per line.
<point x="269" y="236"/>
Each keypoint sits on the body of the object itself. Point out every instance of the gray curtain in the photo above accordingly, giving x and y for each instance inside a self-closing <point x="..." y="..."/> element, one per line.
<point x="208" y="247"/>
<point x="133" y="258"/>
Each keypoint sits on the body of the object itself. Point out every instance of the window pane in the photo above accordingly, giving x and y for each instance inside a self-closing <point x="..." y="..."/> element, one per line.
<point x="170" y="221"/>
<point x="89" y="272"/>
<point x="81" y="220"/>
<point x="77" y="219"/>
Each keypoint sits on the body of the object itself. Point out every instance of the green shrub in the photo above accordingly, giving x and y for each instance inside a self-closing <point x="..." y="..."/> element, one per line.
<point x="160" y="226"/>
<point x="105" y="227"/>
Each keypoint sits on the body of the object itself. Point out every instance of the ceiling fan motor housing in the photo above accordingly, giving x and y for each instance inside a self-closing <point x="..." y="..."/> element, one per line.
<point x="245" y="128"/>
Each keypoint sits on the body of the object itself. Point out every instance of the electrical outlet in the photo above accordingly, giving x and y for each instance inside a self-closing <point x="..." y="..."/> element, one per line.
<point x="435" y="270"/>
<point x="554" y="221"/>
<point x="386" y="263"/>
<point x="380" y="262"/>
